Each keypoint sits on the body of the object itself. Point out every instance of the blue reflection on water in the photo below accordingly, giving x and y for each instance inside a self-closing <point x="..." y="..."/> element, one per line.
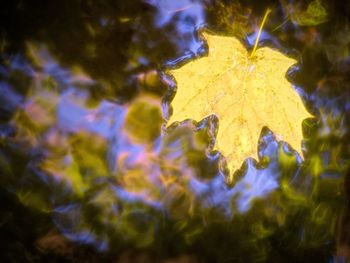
<point x="254" y="184"/>
<point x="20" y="63"/>
<point x="9" y="99"/>
<point x="263" y="36"/>
<point x="187" y="16"/>
<point x="190" y="13"/>
<point x="69" y="220"/>
<point x="73" y="117"/>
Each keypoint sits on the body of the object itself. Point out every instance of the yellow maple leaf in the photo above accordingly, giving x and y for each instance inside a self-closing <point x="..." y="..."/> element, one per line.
<point x="245" y="93"/>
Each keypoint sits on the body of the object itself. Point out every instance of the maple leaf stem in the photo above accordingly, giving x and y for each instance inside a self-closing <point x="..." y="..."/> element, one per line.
<point x="268" y="11"/>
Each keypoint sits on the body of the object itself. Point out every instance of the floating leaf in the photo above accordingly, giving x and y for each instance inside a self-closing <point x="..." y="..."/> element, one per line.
<point x="245" y="93"/>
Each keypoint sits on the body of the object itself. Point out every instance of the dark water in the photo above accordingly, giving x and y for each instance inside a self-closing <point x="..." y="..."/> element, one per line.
<point x="90" y="174"/>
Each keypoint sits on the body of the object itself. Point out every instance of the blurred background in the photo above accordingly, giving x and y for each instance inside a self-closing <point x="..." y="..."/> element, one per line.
<point x="89" y="173"/>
